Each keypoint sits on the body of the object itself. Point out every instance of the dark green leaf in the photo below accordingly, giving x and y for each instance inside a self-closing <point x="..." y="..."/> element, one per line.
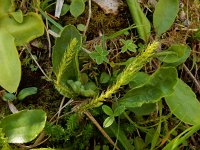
<point x="71" y="71"/>
<point x="26" y="92"/>
<point x="24" y="126"/>
<point x="160" y="84"/>
<point x="184" y="104"/>
<point x="139" y="143"/>
<point x="164" y="15"/>
<point x="128" y="45"/>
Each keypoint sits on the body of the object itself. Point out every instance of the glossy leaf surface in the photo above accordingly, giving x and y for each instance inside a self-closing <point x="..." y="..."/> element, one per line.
<point x="24" y="126"/>
<point x="26" y="92"/>
<point x="10" y="64"/>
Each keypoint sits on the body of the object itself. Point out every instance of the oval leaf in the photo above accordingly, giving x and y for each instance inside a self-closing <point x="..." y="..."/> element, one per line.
<point x="160" y="84"/>
<point x="31" y="28"/>
<point x="24" y="126"/>
<point x="108" y="121"/>
<point x="77" y="7"/>
<point x="179" y="54"/>
<point x="10" y="64"/>
<point x="164" y="15"/>
<point x="18" y="16"/>
<point x="184" y="104"/>
<point x="6" y="6"/>
<point x="107" y="110"/>
<point x="26" y="92"/>
<point x="71" y="70"/>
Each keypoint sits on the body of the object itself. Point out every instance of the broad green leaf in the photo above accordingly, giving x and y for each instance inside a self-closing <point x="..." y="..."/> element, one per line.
<point x="71" y="70"/>
<point x="184" y="104"/>
<point x="26" y="92"/>
<point x="108" y="121"/>
<point x="145" y="109"/>
<point x="160" y="84"/>
<point x="121" y="136"/>
<point x="175" y="54"/>
<point x="24" y="126"/>
<point x="6" y="6"/>
<point x="31" y="28"/>
<point x="77" y="7"/>
<point x="107" y="110"/>
<point x="104" y="78"/>
<point x="100" y="55"/>
<point x="139" y="18"/>
<point x="139" y="79"/>
<point x="10" y="64"/>
<point x="164" y="15"/>
<point x="18" y="16"/>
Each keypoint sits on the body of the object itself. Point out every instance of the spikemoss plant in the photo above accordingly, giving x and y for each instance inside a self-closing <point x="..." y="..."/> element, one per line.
<point x="123" y="78"/>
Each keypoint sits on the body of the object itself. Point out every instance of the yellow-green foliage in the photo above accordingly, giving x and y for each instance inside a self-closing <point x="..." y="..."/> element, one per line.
<point x="3" y="141"/>
<point x="123" y="78"/>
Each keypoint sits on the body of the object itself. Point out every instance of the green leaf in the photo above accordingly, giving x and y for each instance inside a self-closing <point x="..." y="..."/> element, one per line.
<point x="65" y="9"/>
<point x="8" y="96"/>
<point x="26" y="92"/>
<point x="81" y="27"/>
<point x="128" y="45"/>
<point x="145" y="109"/>
<point x="175" y="55"/>
<point x="139" y="143"/>
<point x="164" y="15"/>
<point x="139" y="18"/>
<point x="10" y="64"/>
<point x="160" y="84"/>
<point x="119" y="110"/>
<point x="18" y="16"/>
<point x="139" y="79"/>
<point x="108" y="121"/>
<point x="107" y="110"/>
<point x="77" y="7"/>
<point x="121" y="136"/>
<point x="100" y="55"/>
<point x="60" y="49"/>
<point x="104" y="78"/>
<point x="6" y="6"/>
<point x="184" y="104"/>
<point x="24" y="126"/>
<point x="31" y="28"/>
